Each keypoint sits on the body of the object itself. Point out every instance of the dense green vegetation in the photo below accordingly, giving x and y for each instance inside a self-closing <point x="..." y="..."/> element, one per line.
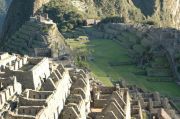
<point x="69" y="16"/>
<point x="115" y="19"/>
<point x="66" y="16"/>
<point x="80" y="51"/>
<point x="122" y="8"/>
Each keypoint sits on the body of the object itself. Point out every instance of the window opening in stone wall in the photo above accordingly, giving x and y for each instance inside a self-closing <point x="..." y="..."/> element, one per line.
<point x="39" y="96"/>
<point x="0" y="99"/>
<point x="45" y="96"/>
<point x="29" y="111"/>
<point x="1" y="86"/>
<point x="9" y="91"/>
<point x="36" y="111"/>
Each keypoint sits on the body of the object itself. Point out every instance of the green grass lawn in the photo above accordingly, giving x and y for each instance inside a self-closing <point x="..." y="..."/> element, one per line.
<point x="105" y="51"/>
<point x="75" y="44"/>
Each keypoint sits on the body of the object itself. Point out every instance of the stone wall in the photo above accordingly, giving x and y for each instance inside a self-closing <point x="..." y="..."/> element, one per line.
<point x="9" y="89"/>
<point x="18" y="13"/>
<point x="166" y="39"/>
<point x="5" y="60"/>
<point x="38" y="94"/>
<point x="42" y="52"/>
<point x="39" y="74"/>
<point x="29" y="72"/>
<point x="78" y="102"/>
<point x="58" y="100"/>
<point x="37" y="37"/>
<point x="113" y="102"/>
<point x="45" y="104"/>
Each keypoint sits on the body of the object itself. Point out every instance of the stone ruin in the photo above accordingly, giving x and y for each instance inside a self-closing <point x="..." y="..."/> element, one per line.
<point x="163" y="43"/>
<point x="37" y="37"/>
<point x="89" y="22"/>
<point x="9" y="88"/>
<point x="125" y="102"/>
<point x="78" y="102"/>
<point x="36" y="88"/>
<point x="111" y="102"/>
<point x="41" y="89"/>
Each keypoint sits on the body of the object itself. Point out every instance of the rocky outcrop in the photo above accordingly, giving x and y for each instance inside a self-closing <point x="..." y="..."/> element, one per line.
<point x="18" y="13"/>
<point x="4" y="5"/>
<point x="164" y="13"/>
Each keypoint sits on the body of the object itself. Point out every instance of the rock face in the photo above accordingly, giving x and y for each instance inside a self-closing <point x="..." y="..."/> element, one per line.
<point x="18" y="13"/>
<point x="163" y="12"/>
<point x="4" y="5"/>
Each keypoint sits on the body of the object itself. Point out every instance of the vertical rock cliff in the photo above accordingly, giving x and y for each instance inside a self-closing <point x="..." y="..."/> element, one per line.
<point x="4" y="6"/>
<point x="165" y="13"/>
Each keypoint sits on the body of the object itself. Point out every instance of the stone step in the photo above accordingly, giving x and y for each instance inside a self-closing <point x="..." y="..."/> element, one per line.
<point x="160" y="65"/>
<point x="160" y="59"/>
<point x="160" y="79"/>
<point x="20" y="35"/>
<point x="32" y="24"/>
<point x="25" y="32"/>
<point x="27" y="27"/>
<point x="15" y="44"/>
<point x="158" y="54"/>
<point x="153" y="72"/>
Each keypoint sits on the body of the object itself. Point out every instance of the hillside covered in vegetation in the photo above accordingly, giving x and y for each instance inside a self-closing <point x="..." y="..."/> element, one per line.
<point x="70" y="13"/>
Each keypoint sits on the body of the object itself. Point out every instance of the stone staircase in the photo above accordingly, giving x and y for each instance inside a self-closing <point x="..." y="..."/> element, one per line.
<point x="159" y="69"/>
<point x="33" y="35"/>
<point x="24" y="39"/>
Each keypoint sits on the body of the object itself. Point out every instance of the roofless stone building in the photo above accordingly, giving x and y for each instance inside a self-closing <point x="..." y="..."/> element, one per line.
<point x="37" y="88"/>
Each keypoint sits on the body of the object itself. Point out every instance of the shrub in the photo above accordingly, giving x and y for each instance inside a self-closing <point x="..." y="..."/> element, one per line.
<point x="67" y="17"/>
<point x="115" y="19"/>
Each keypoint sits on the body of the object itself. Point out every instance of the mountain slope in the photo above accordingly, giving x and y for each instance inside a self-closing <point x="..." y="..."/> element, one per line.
<point x="165" y="13"/>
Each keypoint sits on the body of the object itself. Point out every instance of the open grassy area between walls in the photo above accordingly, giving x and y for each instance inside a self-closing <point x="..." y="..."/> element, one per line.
<point x="105" y="52"/>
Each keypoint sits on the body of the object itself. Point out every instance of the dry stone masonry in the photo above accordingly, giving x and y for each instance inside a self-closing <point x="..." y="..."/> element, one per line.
<point x="37" y="88"/>
<point x="161" y="46"/>
<point x="37" y="37"/>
